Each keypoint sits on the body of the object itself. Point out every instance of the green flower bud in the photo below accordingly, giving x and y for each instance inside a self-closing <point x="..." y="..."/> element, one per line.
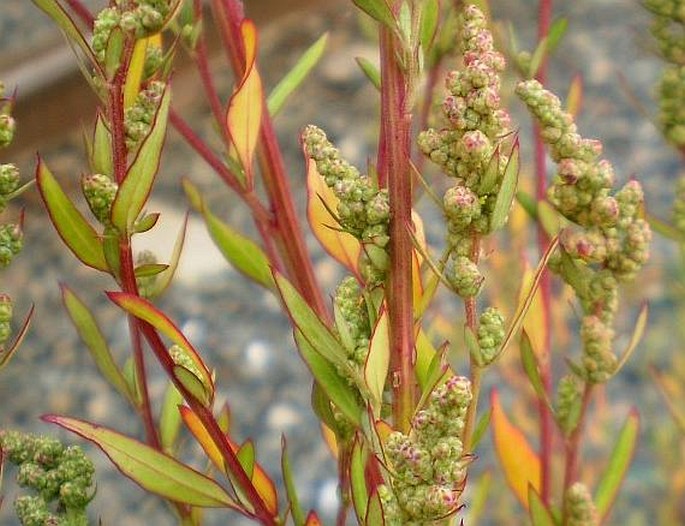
<point x="465" y="277"/>
<point x="180" y="357"/>
<point x="9" y="179"/>
<point x="580" y="510"/>
<point x="7" y="129"/>
<point x="11" y="243"/>
<point x="104" y="23"/>
<point x="599" y="361"/>
<point x="146" y="284"/>
<point x="99" y="191"/>
<point x="33" y="511"/>
<point x="568" y="403"/>
<point x="491" y="332"/>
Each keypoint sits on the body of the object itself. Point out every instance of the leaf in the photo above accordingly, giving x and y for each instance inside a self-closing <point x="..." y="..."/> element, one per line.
<point x="521" y="465"/>
<point x="360" y="494"/>
<point x="101" y="148"/>
<point x="437" y="372"/>
<point x="289" y="483"/>
<point x="193" y="385"/>
<point x="73" y="228"/>
<point x="481" y="427"/>
<point x="638" y="332"/>
<point x="530" y="366"/>
<point x="424" y="357"/>
<point x="370" y="70"/>
<point x="147" y="270"/>
<point x="378" y="360"/>
<point x="430" y="16"/>
<point x="136" y="68"/>
<point x="308" y="323"/>
<point x="200" y="433"/>
<point x="550" y="219"/>
<point x="170" y="417"/>
<point x="113" y="52"/>
<point x="241" y="252"/>
<point x="153" y="470"/>
<point x="6" y="355"/>
<point x="507" y="190"/>
<point x="244" y="115"/>
<point x="55" y="11"/>
<point x="342" y="246"/>
<point x="574" y="98"/>
<point x="146" y="311"/>
<point x="379" y="10"/>
<point x="296" y="75"/>
<point x="539" y="514"/>
<point x="88" y="330"/>
<point x="313" y="519"/>
<point x="135" y="188"/>
<point x="556" y="32"/>
<point x="336" y="388"/>
<point x="146" y="223"/>
<point x="165" y="277"/>
<point x="480" y="498"/>
<point x="374" y="510"/>
<point x="615" y="472"/>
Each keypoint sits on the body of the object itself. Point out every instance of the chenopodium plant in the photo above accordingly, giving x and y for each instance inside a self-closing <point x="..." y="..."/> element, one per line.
<point x="402" y="422"/>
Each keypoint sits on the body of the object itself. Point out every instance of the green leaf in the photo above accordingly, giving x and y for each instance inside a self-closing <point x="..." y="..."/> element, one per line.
<point x="360" y="493"/>
<point x="289" y="483"/>
<point x="479" y="501"/>
<point x="370" y="70"/>
<point x="308" y="323"/>
<point x="378" y="361"/>
<point x="135" y="188"/>
<point x="146" y="223"/>
<point x="296" y="75"/>
<point x="73" y="228"/>
<point x="115" y="48"/>
<point x="436" y="374"/>
<point x="331" y="383"/>
<point x="246" y="457"/>
<point x="170" y="417"/>
<point x="164" y="279"/>
<point x="374" y="511"/>
<point x="471" y="341"/>
<point x="424" y="358"/>
<point x="153" y="470"/>
<point x="665" y="229"/>
<point x="491" y="175"/>
<point x="7" y="354"/>
<point x="530" y="366"/>
<point x="638" y="332"/>
<point x="101" y="148"/>
<point x="55" y="11"/>
<point x="506" y="193"/>
<point x="615" y="472"/>
<point x="556" y="33"/>
<point x="539" y="514"/>
<point x="430" y="16"/>
<point x="88" y="330"/>
<point x="547" y="46"/>
<point x="379" y="10"/>
<point x="150" y="269"/>
<point x="241" y="252"/>
<point x="481" y="428"/>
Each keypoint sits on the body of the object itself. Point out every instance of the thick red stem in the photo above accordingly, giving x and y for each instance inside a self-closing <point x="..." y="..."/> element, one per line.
<point x="394" y="151"/>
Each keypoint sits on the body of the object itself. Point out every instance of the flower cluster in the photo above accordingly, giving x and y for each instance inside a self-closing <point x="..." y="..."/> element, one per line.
<point x="99" y="191"/>
<point x="138" y="118"/>
<point x="428" y="466"/>
<point x="468" y="149"/>
<point x="139" y="18"/>
<point x="608" y="243"/>
<point x="668" y="28"/>
<point x="56" y="473"/>
<point x="678" y="215"/>
<point x="352" y="320"/>
<point x="580" y="510"/>
<point x="6" y="312"/>
<point x="363" y="209"/>
<point x="568" y="403"/>
<point x="491" y="332"/>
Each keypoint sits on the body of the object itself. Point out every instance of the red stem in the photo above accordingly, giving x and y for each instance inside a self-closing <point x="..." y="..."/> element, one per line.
<point x="546" y="419"/>
<point x="81" y="11"/>
<point x="394" y="150"/>
<point x="572" y="445"/>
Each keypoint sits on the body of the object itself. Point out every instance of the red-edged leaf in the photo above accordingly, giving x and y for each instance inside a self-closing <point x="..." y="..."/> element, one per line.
<point x="199" y="431"/>
<point x="539" y="514"/>
<point x="378" y="361"/>
<point x="360" y="493"/>
<point x="289" y="483"/>
<point x="521" y="465"/>
<point x="574" y="99"/>
<point x="9" y="352"/>
<point x="73" y="228"/>
<point x="244" y="116"/>
<point x="146" y="311"/>
<point x="342" y="246"/>
<point x="313" y="519"/>
<point x="151" y="469"/>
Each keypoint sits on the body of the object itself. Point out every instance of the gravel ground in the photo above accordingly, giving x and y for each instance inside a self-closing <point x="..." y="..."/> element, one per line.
<point x="237" y="325"/>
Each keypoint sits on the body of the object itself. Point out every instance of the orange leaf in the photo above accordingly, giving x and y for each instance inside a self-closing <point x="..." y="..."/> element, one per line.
<point x="199" y="431"/>
<point x="330" y="439"/>
<point x="266" y="488"/>
<point x="244" y="116"/>
<point x="521" y="465"/>
<point x="312" y="519"/>
<point x="574" y="99"/>
<point x="534" y="322"/>
<point x="320" y="199"/>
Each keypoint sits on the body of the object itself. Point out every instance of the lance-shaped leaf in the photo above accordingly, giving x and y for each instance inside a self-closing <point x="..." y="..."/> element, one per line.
<point x="55" y="11"/>
<point x="370" y="70"/>
<point x="244" y="115"/>
<point x="321" y="200"/>
<point x="167" y="275"/>
<point x="289" y="483"/>
<point x="73" y="228"/>
<point x="539" y="514"/>
<point x="521" y="465"/>
<point x="146" y="311"/>
<point x="199" y="431"/>
<point x="100" y="148"/>
<point x="535" y="320"/>
<point x="135" y="188"/>
<point x="360" y="493"/>
<point x="296" y="75"/>
<point x="336" y="388"/>
<point x="478" y="504"/>
<point x="379" y="10"/>
<point x="481" y="428"/>
<point x="241" y="252"/>
<point x="153" y="470"/>
<point x="530" y="366"/>
<point x="638" y="332"/>
<point x="378" y="360"/>
<point x="136" y="67"/>
<point x="6" y="355"/>
<point x="374" y="510"/>
<point x="507" y="190"/>
<point x="90" y="333"/>
<point x="313" y="519"/>
<point x="170" y="417"/>
<point x="430" y="17"/>
<point x="424" y="356"/>
<point x="574" y="99"/>
<point x="615" y="472"/>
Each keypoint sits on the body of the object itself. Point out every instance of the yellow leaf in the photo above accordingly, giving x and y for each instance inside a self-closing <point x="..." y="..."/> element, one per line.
<point x="199" y="431"/>
<point x="329" y="438"/>
<point x="521" y="465"/>
<point x="244" y="116"/>
<point x="137" y="67"/>
<point x="320" y="199"/>
<point x="378" y="360"/>
<point x="575" y="95"/>
<point x="534" y="323"/>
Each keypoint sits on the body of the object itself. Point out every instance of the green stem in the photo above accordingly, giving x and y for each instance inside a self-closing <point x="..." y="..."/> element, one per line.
<point x="394" y="152"/>
<point x="572" y="447"/>
<point x="476" y="373"/>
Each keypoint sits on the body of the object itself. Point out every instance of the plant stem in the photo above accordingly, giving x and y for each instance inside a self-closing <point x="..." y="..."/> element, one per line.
<point x="476" y="371"/>
<point x="81" y="11"/>
<point x="573" y="442"/>
<point x="546" y="420"/>
<point x="394" y="152"/>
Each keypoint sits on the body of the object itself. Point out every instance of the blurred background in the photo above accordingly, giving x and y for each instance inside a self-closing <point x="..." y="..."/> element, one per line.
<point x="239" y="327"/>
